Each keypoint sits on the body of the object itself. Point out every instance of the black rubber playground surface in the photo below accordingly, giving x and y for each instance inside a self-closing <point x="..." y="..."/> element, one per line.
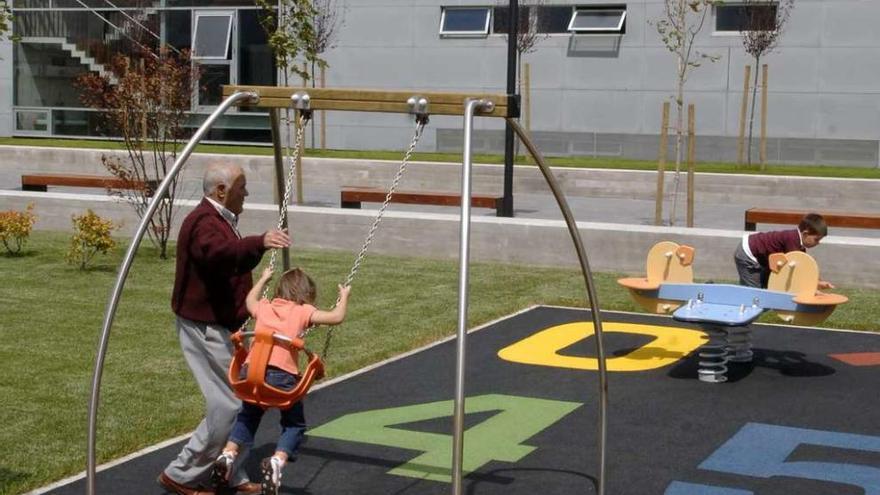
<point x="802" y="419"/>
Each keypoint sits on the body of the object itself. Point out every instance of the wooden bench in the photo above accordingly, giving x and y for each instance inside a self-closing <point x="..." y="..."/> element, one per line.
<point x="352" y="197"/>
<point x="755" y="216"/>
<point x="40" y="182"/>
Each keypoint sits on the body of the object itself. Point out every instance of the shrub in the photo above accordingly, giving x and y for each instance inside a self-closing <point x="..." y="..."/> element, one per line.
<point x="91" y="235"/>
<point x="15" y="228"/>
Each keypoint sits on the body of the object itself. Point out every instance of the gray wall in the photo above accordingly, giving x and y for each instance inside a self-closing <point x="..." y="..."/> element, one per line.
<point x="593" y="96"/>
<point x="536" y="242"/>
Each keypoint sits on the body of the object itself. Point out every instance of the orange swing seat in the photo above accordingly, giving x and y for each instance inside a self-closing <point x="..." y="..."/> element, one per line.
<point x="253" y="387"/>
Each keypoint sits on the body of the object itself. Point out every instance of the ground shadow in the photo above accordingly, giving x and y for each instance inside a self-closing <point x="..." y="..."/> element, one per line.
<point x="475" y="483"/>
<point x="787" y="363"/>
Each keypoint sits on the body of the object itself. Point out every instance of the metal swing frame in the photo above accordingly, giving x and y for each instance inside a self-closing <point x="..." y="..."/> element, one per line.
<point x="467" y="105"/>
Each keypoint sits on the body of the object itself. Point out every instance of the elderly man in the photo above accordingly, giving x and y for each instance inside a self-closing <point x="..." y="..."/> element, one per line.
<point x="212" y="278"/>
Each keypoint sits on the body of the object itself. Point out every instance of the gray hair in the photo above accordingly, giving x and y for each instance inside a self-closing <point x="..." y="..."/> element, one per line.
<point x="219" y="173"/>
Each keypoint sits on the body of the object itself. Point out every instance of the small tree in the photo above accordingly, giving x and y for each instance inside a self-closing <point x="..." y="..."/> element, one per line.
<point x="329" y="19"/>
<point x="5" y="20"/>
<point x="91" y="235"/>
<point x="527" y="35"/>
<point x="527" y="38"/>
<point x="765" y="23"/>
<point x="15" y="228"/>
<point x="679" y="29"/>
<point x="147" y="109"/>
<point x="289" y="25"/>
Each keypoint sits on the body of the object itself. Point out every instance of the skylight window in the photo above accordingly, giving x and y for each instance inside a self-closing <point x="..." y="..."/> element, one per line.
<point x="211" y="36"/>
<point x="465" y="21"/>
<point x="597" y="20"/>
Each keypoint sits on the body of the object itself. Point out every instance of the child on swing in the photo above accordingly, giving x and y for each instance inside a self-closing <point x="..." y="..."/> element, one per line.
<point x="290" y="312"/>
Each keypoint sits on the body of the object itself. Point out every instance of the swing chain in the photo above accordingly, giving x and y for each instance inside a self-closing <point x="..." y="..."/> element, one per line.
<point x="420" y="126"/>
<point x="292" y="158"/>
<point x="421" y="122"/>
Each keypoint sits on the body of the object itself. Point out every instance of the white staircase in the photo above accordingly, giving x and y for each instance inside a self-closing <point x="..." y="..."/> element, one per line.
<point x="75" y="52"/>
<point x="136" y="20"/>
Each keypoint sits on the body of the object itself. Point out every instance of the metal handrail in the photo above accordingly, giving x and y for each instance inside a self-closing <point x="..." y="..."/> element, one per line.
<point x="115" y="294"/>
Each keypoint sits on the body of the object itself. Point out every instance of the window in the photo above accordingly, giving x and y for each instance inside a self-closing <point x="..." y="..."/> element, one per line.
<point x="464" y="21"/>
<point x="735" y="18"/>
<point x="211" y="35"/>
<point x="598" y="20"/>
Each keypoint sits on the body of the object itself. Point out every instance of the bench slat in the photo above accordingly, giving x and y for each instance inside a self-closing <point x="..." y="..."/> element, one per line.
<point x="39" y="182"/>
<point x="352" y="197"/>
<point x="755" y="216"/>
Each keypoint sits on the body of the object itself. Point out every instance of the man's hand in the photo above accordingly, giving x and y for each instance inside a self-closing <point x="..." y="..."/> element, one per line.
<point x="825" y="285"/>
<point x="276" y="239"/>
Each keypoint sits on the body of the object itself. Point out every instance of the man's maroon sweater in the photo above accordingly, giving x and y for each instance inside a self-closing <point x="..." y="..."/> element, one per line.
<point x="213" y="274"/>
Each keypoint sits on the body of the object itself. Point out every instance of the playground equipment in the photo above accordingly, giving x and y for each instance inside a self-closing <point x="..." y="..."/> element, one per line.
<point x="303" y="101"/>
<point x="725" y="312"/>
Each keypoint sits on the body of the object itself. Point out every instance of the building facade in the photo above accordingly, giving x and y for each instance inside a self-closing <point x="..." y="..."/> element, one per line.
<point x="597" y="78"/>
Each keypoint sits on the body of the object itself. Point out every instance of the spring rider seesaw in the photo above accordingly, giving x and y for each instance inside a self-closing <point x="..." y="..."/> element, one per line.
<point x="725" y="312"/>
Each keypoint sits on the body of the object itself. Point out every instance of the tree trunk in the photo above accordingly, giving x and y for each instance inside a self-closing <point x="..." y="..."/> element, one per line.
<point x="679" y="125"/>
<point x="752" y="113"/>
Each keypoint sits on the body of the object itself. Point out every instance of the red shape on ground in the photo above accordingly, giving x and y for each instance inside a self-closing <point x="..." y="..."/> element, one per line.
<point x="859" y="358"/>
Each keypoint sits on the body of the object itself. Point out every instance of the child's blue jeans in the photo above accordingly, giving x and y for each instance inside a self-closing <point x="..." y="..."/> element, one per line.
<point x="293" y="421"/>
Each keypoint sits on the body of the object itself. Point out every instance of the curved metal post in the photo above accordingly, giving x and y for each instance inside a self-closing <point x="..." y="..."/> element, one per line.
<point x="471" y="107"/>
<point x="113" y="301"/>
<point x="591" y="294"/>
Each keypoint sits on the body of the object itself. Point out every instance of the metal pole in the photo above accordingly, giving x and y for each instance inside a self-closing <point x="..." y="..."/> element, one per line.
<point x="463" y="256"/>
<point x="591" y="295"/>
<point x="113" y="301"/>
<point x="512" y="36"/>
<point x="280" y="180"/>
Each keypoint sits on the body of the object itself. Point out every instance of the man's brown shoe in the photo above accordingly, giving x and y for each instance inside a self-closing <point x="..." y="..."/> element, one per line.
<point x="248" y="488"/>
<point x="172" y="486"/>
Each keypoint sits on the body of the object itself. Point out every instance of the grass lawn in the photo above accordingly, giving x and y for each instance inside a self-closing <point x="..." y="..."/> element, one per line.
<point x="395" y="155"/>
<point x="52" y="315"/>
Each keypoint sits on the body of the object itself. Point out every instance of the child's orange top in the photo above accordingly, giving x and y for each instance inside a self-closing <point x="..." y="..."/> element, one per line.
<point x="287" y="318"/>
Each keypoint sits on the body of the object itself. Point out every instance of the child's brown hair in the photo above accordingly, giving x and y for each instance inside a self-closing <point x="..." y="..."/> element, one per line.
<point x="294" y="285"/>
<point x="813" y="223"/>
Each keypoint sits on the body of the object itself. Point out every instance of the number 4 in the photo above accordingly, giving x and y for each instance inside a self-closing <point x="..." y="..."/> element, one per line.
<point x="498" y="438"/>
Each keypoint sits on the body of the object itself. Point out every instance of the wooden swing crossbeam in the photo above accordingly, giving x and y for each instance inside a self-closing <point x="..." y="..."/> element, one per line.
<point x="370" y="100"/>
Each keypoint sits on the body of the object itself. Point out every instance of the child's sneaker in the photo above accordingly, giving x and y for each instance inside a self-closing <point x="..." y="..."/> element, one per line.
<point x="222" y="469"/>
<point x="270" y="475"/>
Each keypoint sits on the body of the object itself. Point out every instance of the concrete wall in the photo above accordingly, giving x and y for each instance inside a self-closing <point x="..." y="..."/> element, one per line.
<point x="620" y="247"/>
<point x="321" y="174"/>
<point x="610" y="247"/>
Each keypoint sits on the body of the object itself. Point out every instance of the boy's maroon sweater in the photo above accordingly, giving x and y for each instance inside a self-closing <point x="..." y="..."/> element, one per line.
<point x="763" y="244"/>
<point x="213" y="274"/>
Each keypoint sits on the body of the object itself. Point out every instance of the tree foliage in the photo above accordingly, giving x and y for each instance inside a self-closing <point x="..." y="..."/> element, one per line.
<point x="6" y="22"/>
<point x="290" y="28"/>
<point x="527" y="34"/>
<point x="147" y="109"/>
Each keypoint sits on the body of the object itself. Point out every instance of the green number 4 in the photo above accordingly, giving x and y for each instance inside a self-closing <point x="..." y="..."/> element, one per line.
<point x="498" y="438"/>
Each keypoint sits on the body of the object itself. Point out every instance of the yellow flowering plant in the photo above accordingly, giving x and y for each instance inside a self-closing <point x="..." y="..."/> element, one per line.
<point x="91" y="235"/>
<point x="15" y="228"/>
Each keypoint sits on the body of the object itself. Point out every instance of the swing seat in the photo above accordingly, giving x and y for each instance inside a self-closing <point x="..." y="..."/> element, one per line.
<point x="253" y="388"/>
